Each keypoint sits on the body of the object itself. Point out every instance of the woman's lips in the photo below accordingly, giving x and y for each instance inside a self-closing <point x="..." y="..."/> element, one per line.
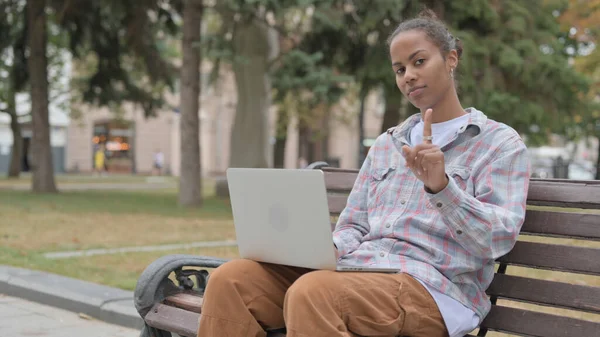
<point x="416" y="92"/>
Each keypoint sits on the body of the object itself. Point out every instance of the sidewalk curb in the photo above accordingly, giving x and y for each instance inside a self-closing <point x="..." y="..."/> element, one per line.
<point x="104" y="303"/>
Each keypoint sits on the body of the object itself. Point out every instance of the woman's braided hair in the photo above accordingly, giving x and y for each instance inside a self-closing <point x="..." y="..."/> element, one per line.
<point x="435" y="29"/>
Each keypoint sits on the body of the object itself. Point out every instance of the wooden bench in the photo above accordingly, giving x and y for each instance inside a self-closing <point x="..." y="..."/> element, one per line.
<point x="564" y="237"/>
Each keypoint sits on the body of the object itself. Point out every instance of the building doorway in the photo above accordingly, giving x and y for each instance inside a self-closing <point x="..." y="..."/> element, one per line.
<point x="116" y="138"/>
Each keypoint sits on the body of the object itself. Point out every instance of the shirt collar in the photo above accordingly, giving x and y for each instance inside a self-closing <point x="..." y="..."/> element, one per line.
<point x="477" y="119"/>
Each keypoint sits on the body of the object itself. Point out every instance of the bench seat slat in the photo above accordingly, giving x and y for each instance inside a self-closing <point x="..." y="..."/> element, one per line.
<point x="191" y="302"/>
<point x="536" y="291"/>
<point x="557" y="294"/>
<point x="554" y="257"/>
<point x="180" y="321"/>
<point x="531" y="323"/>
<point x="185" y="323"/>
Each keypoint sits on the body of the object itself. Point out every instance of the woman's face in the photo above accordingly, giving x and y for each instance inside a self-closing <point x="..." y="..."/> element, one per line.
<point x="422" y="74"/>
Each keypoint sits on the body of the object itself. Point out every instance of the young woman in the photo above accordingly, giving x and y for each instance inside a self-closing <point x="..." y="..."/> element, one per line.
<point x="440" y="197"/>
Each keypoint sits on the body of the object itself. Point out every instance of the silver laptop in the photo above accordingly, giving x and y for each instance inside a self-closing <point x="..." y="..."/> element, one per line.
<point x="281" y="216"/>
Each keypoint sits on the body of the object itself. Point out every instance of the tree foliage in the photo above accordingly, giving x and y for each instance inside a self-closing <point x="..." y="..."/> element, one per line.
<point x="582" y="20"/>
<point x="123" y="47"/>
<point x="515" y="65"/>
<point x="295" y="69"/>
<point x="14" y="71"/>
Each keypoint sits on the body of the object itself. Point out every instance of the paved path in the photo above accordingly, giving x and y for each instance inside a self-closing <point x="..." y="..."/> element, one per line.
<point x="91" y="252"/>
<point x="21" y="318"/>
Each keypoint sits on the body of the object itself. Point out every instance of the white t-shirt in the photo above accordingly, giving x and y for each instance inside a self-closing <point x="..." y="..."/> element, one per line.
<point x="459" y="319"/>
<point x="442" y="132"/>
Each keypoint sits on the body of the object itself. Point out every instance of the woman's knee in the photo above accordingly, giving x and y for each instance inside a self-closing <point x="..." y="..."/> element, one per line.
<point x="232" y="272"/>
<point x="313" y="287"/>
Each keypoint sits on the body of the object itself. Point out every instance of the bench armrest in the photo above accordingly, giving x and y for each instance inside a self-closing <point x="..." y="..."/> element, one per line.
<point x="154" y="285"/>
<point x="317" y="165"/>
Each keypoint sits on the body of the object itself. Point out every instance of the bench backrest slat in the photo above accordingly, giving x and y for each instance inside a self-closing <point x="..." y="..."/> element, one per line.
<point x="336" y="202"/>
<point x="339" y="180"/>
<point x="575" y="194"/>
<point x="558" y="294"/>
<point x="562" y="224"/>
<point x="543" y="192"/>
<point x="531" y="323"/>
<point x="554" y="257"/>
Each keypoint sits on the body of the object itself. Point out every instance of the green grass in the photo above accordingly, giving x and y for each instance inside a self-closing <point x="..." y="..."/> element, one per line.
<point x="116" y="270"/>
<point x="157" y="202"/>
<point x="32" y="224"/>
<point x="105" y="219"/>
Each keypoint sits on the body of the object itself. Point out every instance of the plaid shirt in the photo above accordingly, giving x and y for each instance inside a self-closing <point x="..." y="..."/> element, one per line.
<point x="448" y="240"/>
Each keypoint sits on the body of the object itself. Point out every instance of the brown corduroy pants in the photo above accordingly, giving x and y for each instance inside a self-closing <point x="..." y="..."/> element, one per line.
<point x="244" y="298"/>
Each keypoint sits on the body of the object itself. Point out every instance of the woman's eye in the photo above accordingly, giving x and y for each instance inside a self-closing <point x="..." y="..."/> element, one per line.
<point x="400" y="70"/>
<point x="419" y="62"/>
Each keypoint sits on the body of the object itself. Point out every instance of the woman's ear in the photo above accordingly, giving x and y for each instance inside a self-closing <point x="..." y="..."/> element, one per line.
<point x="452" y="59"/>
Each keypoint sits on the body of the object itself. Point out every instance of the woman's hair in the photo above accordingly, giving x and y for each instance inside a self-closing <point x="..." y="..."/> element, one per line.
<point x="435" y="29"/>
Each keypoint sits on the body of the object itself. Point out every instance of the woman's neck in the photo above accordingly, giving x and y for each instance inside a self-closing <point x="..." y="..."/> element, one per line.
<point x="447" y="108"/>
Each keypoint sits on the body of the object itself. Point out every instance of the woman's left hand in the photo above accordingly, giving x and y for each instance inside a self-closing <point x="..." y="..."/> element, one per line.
<point x="427" y="160"/>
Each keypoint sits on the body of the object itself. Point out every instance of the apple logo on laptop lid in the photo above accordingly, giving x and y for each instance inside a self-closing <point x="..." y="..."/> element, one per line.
<point x="278" y="217"/>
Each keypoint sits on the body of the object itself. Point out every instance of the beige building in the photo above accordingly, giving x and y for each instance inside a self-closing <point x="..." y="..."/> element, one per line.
<point x="132" y="140"/>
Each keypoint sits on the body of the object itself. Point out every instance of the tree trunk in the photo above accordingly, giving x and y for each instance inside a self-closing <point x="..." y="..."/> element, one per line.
<point x="361" y="128"/>
<point x="17" y="148"/>
<point x="323" y="147"/>
<point x="255" y="44"/>
<point x="304" y="152"/>
<point x="43" y="170"/>
<point x="190" y="180"/>
<point x="391" y="114"/>
<point x="283" y="120"/>
<point x="16" y="153"/>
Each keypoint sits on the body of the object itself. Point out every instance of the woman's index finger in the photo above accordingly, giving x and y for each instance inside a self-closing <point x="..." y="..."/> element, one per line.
<point x="427" y="126"/>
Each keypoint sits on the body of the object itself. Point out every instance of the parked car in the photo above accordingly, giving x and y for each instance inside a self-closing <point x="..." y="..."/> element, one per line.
<point x="579" y="171"/>
<point x="544" y="167"/>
